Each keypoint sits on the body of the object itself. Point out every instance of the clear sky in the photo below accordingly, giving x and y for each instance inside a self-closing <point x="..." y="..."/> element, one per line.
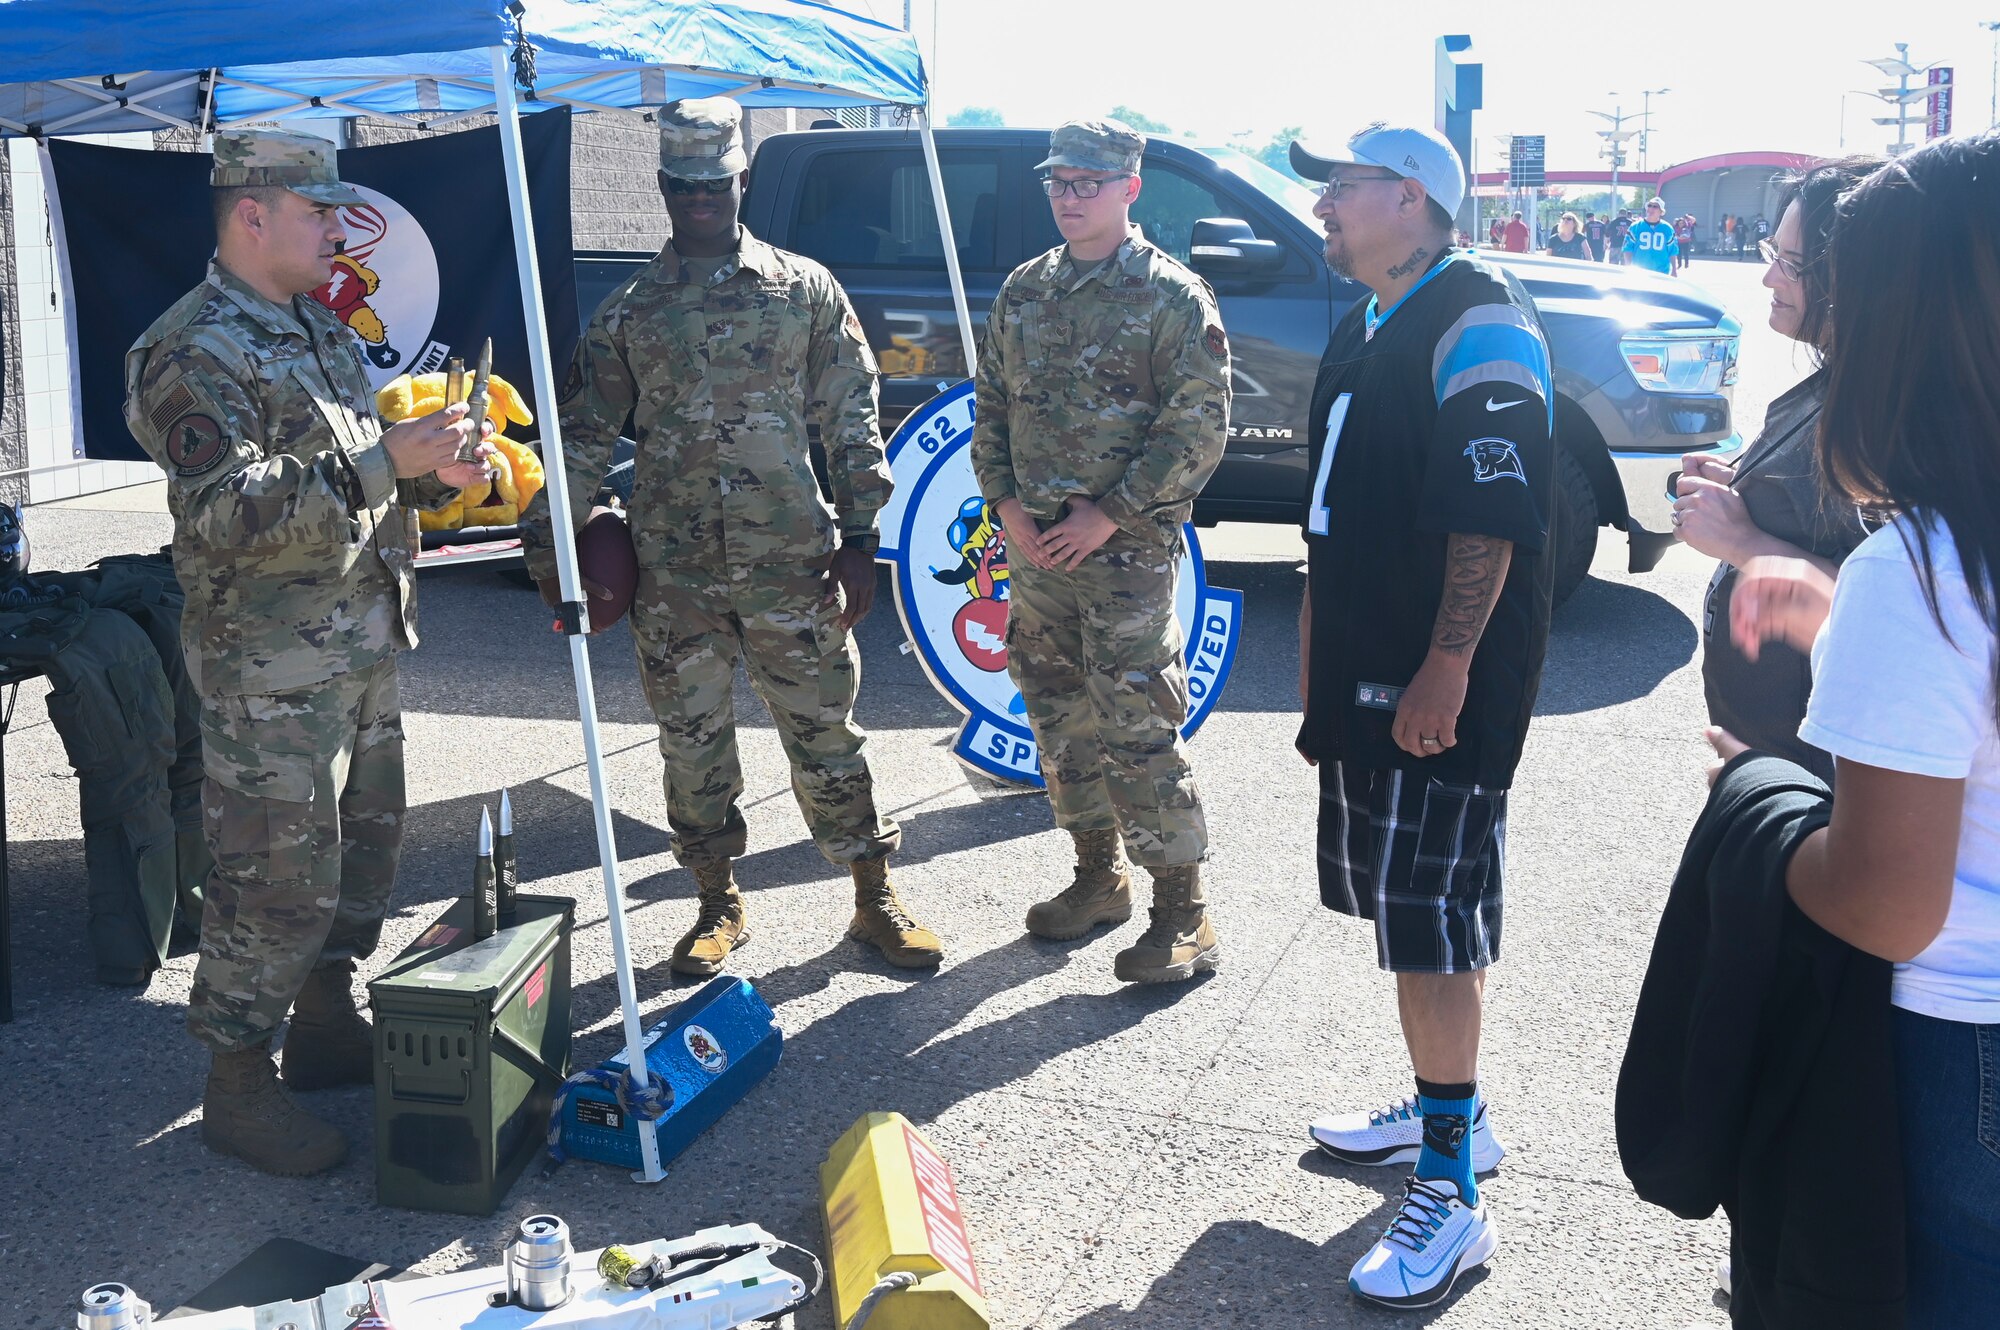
<point x="1765" y="77"/>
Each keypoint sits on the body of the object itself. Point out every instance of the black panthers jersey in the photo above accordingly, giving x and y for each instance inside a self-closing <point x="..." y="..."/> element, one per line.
<point x="1433" y="418"/>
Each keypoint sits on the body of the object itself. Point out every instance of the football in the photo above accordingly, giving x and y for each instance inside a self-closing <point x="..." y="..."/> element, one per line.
<point x="604" y="555"/>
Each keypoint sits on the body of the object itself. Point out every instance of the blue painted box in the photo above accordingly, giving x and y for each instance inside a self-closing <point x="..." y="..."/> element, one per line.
<point x="711" y="1049"/>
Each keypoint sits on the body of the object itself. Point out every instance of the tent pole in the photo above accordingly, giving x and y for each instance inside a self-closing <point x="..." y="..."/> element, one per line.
<point x="565" y="543"/>
<point x="965" y="336"/>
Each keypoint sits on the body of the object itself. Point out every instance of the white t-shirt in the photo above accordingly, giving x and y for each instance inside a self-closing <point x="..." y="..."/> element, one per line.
<point x="1890" y="691"/>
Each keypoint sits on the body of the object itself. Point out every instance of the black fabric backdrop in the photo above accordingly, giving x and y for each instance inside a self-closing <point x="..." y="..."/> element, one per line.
<point x="140" y="235"/>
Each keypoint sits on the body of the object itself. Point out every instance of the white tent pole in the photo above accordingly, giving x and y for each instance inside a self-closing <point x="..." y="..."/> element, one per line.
<point x="950" y="243"/>
<point x="565" y="541"/>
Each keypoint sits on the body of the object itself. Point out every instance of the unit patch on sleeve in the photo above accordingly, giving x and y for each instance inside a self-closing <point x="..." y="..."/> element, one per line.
<point x="1218" y="345"/>
<point x="194" y="443"/>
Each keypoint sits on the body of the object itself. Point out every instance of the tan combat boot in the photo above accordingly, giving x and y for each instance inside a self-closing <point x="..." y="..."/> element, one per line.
<point x="246" y="1113"/>
<point x="881" y="921"/>
<point x="1180" y="939"/>
<point x="1101" y="892"/>
<point x="722" y="927"/>
<point x="329" y="1043"/>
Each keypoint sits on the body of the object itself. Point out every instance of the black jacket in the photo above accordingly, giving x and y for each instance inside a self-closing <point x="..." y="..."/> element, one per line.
<point x="1760" y="1075"/>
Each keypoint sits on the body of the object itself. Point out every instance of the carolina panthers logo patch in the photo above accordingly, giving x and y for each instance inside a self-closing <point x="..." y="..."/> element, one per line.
<point x="1493" y="459"/>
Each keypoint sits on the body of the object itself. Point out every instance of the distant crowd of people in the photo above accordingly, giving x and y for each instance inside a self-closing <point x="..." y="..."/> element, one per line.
<point x="1647" y="240"/>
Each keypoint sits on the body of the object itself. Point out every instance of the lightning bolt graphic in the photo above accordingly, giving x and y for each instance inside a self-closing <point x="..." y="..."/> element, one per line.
<point x="339" y="280"/>
<point x="979" y="635"/>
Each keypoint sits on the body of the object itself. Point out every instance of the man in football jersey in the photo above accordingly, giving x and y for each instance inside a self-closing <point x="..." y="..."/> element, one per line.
<point x="1614" y="236"/>
<point x="1650" y="244"/>
<point x="1593" y="231"/>
<point x="1420" y="651"/>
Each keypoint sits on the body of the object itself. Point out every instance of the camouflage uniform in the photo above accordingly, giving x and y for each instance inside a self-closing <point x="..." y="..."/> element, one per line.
<point x="1109" y="381"/>
<point x="715" y="380"/>
<point x="294" y="541"/>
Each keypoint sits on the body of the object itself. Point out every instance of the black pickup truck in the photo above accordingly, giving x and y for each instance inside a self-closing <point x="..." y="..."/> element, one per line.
<point x="1644" y="365"/>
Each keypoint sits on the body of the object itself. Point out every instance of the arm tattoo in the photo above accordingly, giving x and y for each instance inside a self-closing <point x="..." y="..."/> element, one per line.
<point x="1409" y="265"/>
<point x="1475" y="567"/>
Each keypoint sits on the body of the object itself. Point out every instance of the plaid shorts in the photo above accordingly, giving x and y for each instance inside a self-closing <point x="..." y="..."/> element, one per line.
<point x="1421" y="858"/>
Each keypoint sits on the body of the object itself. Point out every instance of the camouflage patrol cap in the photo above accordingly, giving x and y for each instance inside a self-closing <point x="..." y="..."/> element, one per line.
<point x="270" y="158"/>
<point x="1095" y="145"/>
<point x="701" y="139"/>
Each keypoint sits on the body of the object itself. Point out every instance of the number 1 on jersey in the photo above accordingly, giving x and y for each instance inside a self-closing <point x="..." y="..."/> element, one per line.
<point x="1336" y="417"/>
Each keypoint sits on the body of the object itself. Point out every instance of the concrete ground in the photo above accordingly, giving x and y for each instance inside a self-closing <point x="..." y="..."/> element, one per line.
<point x="1129" y="1159"/>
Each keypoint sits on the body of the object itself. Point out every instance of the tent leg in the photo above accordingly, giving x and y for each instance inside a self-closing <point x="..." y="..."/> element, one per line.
<point x="965" y="337"/>
<point x="565" y="542"/>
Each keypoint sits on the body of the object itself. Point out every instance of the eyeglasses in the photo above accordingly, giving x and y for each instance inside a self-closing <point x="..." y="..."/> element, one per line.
<point x="1337" y="184"/>
<point x="1086" y="188"/>
<point x="1769" y="252"/>
<point x="688" y="188"/>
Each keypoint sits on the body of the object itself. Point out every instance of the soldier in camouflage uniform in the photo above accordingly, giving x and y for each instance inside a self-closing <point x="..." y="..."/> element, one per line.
<point x="713" y="357"/>
<point x="294" y="531"/>
<point x="1102" y="407"/>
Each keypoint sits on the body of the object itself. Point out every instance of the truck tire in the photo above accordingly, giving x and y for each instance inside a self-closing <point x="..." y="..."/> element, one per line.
<point x="1575" y="525"/>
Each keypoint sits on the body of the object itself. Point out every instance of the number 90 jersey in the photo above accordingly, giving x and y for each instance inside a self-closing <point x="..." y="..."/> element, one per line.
<point x="1434" y="418"/>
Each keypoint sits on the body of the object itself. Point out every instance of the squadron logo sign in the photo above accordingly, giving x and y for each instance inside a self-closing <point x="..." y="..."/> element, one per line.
<point x="385" y="288"/>
<point x="950" y="555"/>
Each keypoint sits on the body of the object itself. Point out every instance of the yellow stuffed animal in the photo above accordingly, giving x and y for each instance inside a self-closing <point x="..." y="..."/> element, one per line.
<point x="517" y="471"/>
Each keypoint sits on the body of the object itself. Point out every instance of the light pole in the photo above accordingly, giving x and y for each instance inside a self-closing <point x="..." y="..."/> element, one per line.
<point x="1646" y="120"/>
<point x="1902" y="96"/>
<point x="1614" y="142"/>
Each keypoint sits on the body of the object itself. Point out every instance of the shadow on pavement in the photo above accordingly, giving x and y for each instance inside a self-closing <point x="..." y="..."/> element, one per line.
<point x="1243" y="1273"/>
<point x="1611" y="643"/>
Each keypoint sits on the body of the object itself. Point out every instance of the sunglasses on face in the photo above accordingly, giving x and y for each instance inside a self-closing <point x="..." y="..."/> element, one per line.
<point x="1336" y="185"/>
<point x="1083" y="189"/>
<point x="688" y="188"/>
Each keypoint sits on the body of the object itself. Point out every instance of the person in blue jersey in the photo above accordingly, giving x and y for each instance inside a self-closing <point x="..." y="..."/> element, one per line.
<point x="1421" y="639"/>
<point x="1650" y="244"/>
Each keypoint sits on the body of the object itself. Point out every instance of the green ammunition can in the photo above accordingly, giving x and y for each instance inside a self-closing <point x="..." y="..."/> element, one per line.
<point x="471" y="1044"/>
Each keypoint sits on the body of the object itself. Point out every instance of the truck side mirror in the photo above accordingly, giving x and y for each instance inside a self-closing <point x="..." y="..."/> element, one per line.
<point x="1227" y="247"/>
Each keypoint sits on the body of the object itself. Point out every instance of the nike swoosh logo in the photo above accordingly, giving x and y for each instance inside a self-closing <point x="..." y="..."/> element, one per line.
<point x="1439" y="1255"/>
<point x="1492" y="405"/>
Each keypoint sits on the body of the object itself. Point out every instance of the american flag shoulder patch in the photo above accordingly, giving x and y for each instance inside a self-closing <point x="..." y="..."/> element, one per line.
<point x="177" y="402"/>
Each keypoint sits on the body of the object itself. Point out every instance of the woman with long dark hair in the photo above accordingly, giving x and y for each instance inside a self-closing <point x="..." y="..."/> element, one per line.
<point x="1771" y="501"/>
<point x="1906" y="696"/>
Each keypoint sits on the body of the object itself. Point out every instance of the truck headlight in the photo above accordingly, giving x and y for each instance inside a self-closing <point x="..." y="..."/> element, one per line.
<point x="1662" y="362"/>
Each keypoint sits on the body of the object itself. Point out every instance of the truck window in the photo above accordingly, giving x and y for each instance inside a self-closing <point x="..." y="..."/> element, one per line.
<point x="1170" y="204"/>
<point x="872" y="208"/>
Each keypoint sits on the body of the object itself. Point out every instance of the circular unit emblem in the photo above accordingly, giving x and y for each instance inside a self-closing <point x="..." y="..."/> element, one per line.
<point x="950" y="556"/>
<point x="384" y="285"/>
<point x="703" y="1048"/>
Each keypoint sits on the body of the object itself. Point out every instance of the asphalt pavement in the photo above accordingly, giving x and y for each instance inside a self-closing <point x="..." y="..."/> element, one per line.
<point x="1129" y="1159"/>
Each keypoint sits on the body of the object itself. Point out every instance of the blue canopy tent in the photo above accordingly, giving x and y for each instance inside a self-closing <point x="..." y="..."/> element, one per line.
<point x="72" y="67"/>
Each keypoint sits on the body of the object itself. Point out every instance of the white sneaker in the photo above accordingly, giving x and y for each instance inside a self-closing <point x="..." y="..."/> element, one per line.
<point x="1395" y="1135"/>
<point x="1434" y="1238"/>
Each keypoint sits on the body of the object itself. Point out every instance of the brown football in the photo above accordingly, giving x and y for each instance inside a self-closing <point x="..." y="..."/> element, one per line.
<point x="604" y="556"/>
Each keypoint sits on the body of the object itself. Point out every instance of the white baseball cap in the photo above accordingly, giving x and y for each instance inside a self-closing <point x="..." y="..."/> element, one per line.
<point x="1422" y="155"/>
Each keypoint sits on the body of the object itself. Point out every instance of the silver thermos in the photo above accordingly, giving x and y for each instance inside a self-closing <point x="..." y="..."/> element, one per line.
<point x="538" y="1264"/>
<point x="112" y="1307"/>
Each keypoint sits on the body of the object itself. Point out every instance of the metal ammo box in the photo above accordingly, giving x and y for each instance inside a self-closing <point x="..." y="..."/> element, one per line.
<point x="471" y="1044"/>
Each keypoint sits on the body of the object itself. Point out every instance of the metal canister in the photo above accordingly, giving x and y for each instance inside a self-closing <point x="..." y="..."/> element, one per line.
<point x="112" y="1307"/>
<point x="538" y="1264"/>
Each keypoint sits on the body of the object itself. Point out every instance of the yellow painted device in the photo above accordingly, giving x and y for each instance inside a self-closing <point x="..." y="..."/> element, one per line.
<point x="890" y="1205"/>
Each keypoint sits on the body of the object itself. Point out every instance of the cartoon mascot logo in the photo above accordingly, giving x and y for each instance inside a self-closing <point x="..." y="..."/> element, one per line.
<point x="980" y="626"/>
<point x="954" y="588"/>
<point x="385" y="287"/>
<point x="1494" y="458"/>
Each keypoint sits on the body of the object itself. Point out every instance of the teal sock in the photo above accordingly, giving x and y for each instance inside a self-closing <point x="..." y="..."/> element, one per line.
<point x="1447" y="1151"/>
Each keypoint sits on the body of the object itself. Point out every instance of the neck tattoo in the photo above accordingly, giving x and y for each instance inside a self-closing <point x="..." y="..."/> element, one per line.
<point x="1409" y="265"/>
